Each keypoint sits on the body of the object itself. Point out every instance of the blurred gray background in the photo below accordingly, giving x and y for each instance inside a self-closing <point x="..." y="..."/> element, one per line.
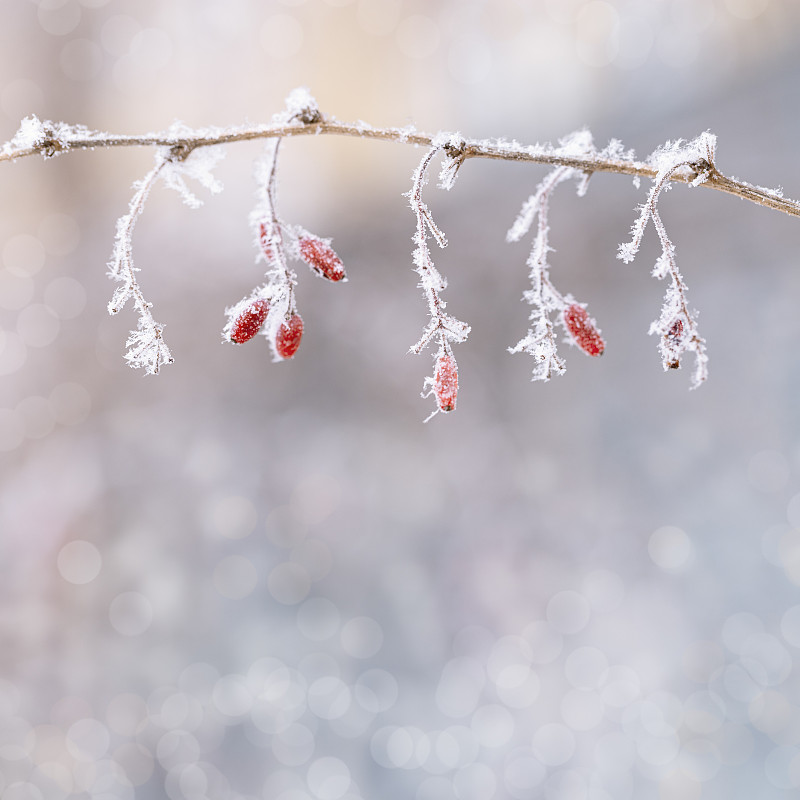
<point x="244" y="580"/>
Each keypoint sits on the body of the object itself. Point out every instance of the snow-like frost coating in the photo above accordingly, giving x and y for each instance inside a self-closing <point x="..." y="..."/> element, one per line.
<point x="31" y="133"/>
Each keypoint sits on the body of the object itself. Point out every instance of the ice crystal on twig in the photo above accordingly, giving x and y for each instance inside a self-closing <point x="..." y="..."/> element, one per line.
<point x="48" y="138"/>
<point x="442" y="327"/>
<point x="301" y="106"/>
<point x="540" y="341"/>
<point x="146" y="346"/>
<point x="676" y="326"/>
<point x="451" y="163"/>
<point x="31" y="133"/>
<point x="270" y="308"/>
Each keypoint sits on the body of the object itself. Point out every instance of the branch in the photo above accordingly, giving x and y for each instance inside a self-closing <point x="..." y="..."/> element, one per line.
<point x="50" y="139"/>
<point x="270" y="308"/>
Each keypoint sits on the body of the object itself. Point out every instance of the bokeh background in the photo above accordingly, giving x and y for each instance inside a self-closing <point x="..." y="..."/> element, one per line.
<point x="244" y="580"/>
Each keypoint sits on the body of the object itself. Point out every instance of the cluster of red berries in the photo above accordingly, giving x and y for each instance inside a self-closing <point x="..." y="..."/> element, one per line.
<point x="251" y="317"/>
<point x="250" y="321"/>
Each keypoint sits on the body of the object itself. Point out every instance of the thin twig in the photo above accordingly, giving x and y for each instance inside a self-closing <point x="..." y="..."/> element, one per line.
<point x="80" y="139"/>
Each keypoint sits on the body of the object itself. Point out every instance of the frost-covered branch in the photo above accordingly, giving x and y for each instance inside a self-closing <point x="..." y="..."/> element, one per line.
<point x="543" y="296"/>
<point x="271" y="307"/>
<point x="50" y="139"/>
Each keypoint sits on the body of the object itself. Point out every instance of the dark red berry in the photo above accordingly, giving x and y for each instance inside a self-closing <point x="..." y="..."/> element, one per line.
<point x="583" y="330"/>
<point x="249" y="321"/>
<point x="321" y="258"/>
<point x="674" y="337"/>
<point x="289" y="334"/>
<point x="675" y="333"/>
<point x="445" y="382"/>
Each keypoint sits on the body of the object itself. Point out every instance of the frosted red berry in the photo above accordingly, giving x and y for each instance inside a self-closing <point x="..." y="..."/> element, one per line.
<point x="445" y="382"/>
<point x="675" y="333"/>
<point x="674" y="337"/>
<point x="583" y="330"/>
<point x="248" y="323"/>
<point x="289" y="334"/>
<point x="264" y="240"/>
<point x="321" y="258"/>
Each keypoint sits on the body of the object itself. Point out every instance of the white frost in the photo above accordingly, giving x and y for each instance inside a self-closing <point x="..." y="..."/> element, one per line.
<point x="31" y="133"/>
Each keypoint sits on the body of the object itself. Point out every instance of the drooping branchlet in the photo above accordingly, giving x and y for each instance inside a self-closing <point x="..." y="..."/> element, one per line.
<point x="442" y="326"/>
<point x="677" y="324"/>
<point x="546" y="300"/>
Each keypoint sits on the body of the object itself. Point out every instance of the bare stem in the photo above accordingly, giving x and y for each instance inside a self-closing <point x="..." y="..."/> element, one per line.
<point x="276" y="226"/>
<point x="425" y="221"/>
<point x="79" y="139"/>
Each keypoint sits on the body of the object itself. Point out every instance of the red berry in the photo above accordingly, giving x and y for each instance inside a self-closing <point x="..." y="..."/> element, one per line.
<point x="445" y="382"/>
<point x="264" y="240"/>
<point x="289" y="334"/>
<point x="249" y="321"/>
<point x="583" y="330"/>
<point x="321" y="258"/>
<point x="675" y="333"/>
<point x="674" y="337"/>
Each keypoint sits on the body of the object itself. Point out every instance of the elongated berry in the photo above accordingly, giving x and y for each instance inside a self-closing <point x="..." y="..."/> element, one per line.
<point x="249" y="321"/>
<point x="264" y="240"/>
<point x="673" y="339"/>
<point x="583" y="330"/>
<point x="289" y="334"/>
<point x="445" y="382"/>
<point x="321" y="258"/>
